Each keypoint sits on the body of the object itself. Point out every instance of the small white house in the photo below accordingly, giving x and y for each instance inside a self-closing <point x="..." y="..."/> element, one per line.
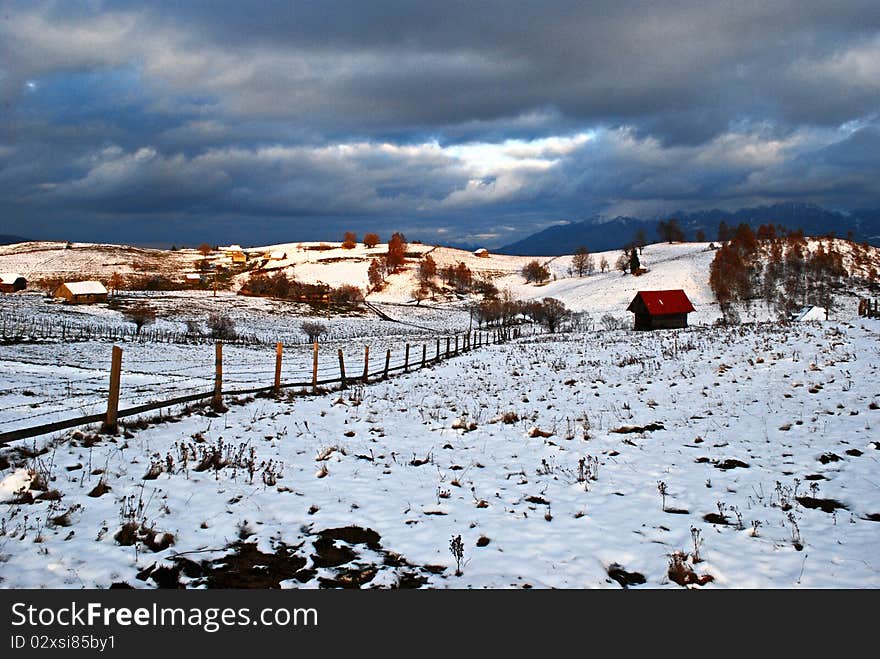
<point x="482" y="253"/>
<point x="277" y="255"/>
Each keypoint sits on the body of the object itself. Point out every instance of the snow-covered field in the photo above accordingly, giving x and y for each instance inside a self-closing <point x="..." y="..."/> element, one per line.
<point x="49" y="380"/>
<point x="571" y="461"/>
<point x="739" y="456"/>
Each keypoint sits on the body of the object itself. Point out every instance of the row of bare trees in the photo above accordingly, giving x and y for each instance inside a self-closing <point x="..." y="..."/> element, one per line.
<point x="504" y="311"/>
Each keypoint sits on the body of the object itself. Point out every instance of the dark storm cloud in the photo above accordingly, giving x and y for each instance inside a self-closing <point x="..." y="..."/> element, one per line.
<point x="279" y="114"/>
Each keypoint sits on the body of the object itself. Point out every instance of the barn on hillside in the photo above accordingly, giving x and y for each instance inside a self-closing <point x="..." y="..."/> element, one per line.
<point x="11" y="282"/>
<point x="660" y="309"/>
<point x="81" y="292"/>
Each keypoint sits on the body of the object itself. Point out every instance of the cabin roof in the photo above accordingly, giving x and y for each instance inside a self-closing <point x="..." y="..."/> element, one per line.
<point x="10" y="277"/>
<point x="661" y="303"/>
<point x="85" y="287"/>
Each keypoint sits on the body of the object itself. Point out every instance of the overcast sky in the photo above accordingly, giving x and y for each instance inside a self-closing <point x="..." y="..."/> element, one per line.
<point x="255" y="122"/>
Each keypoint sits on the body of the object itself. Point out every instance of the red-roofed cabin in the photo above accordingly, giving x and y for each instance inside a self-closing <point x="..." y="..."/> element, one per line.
<point x="660" y="309"/>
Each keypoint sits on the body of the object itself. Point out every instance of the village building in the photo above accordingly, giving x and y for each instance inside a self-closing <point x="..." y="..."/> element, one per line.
<point x="482" y="253"/>
<point x="660" y="309"/>
<point x="81" y="292"/>
<point x="10" y="282"/>
<point x="277" y="255"/>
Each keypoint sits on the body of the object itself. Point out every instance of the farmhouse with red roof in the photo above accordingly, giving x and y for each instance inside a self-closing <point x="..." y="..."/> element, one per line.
<point x="660" y="309"/>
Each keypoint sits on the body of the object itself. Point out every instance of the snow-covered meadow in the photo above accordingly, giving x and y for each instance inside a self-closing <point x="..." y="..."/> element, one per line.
<point x="741" y="457"/>
<point x="47" y="380"/>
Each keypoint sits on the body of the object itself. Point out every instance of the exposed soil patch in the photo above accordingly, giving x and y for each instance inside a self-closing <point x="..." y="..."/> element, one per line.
<point x="334" y="553"/>
<point x="872" y="517"/>
<point x="854" y="452"/>
<point x="825" y="505"/>
<point x="328" y="554"/>
<point x="676" y="511"/>
<point x="353" y="535"/>
<point x="349" y="578"/>
<point x="825" y="458"/>
<point x="133" y="532"/>
<point x="715" y="518"/>
<point x="815" y="477"/>
<point x="100" y="489"/>
<point x="730" y="463"/>
<point x="246" y="567"/>
<point x="683" y="574"/>
<point x="624" y="578"/>
<point x="630" y="429"/>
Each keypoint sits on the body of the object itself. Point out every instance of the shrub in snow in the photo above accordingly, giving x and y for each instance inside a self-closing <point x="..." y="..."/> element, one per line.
<point x="221" y="326"/>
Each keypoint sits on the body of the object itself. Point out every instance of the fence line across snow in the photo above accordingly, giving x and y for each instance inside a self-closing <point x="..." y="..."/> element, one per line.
<point x="376" y="369"/>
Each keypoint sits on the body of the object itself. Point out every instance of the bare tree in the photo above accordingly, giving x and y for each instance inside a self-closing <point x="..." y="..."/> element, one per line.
<point x="116" y="282"/>
<point x="376" y="274"/>
<point x="140" y="314"/>
<point x="350" y="240"/>
<point x="640" y="239"/>
<point x="371" y="240"/>
<point x="582" y="262"/>
<point x="396" y="255"/>
<point x="550" y="313"/>
<point x="221" y="326"/>
<point x="533" y="271"/>
<point x="313" y="329"/>
<point x="670" y="231"/>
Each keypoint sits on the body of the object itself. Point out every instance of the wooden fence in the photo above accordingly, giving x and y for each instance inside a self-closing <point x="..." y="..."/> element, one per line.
<point x="15" y="328"/>
<point x="414" y="357"/>
<point x="869" y="308"/>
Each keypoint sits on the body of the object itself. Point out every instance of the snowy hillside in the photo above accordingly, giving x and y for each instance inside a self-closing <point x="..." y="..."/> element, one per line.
<point x="669" y="266"/>
<point x="708" y="457"/>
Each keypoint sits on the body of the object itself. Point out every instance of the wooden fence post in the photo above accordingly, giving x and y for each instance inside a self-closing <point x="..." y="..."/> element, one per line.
<point x="217" y="401"/>
<point x="437" y="356"/>
<point x="366" y="363"/>
<point x="279" y="350"/>
<point x="456" y="344"/>
<point x="447" y="348"/>
<point x="424" y="354"/>
<point x="113" y="397"/>
<point x="315" y="366"/>
<point x="387" y="363"/>
<point x="342" y="369"/>
<point x="406" y="360"/>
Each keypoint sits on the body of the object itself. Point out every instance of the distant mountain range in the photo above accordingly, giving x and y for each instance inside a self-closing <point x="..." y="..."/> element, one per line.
<point x="599" y="234"/>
